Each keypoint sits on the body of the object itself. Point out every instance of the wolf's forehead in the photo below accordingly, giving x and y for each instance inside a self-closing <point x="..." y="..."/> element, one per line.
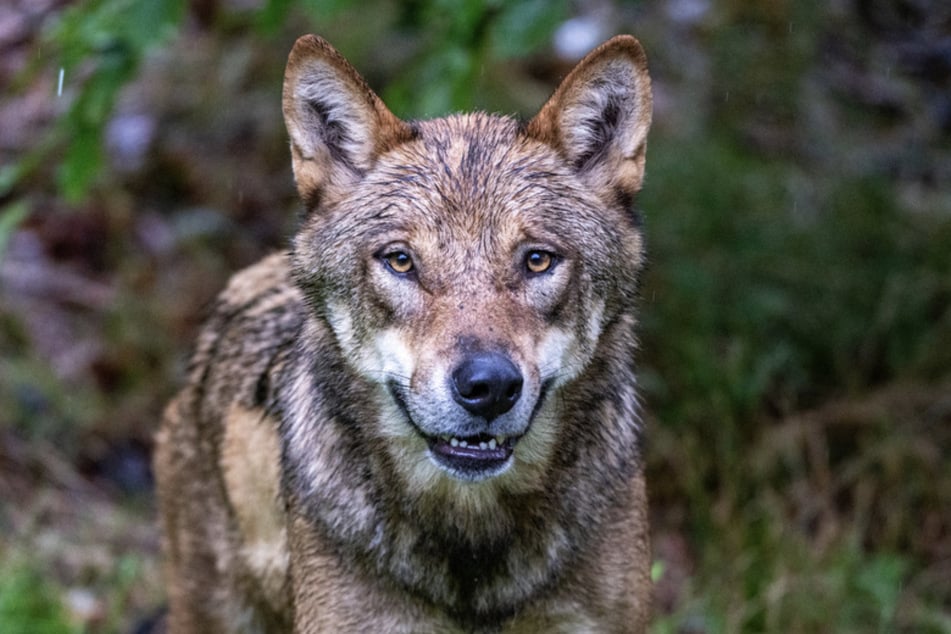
<point x="472" y="149"/>
<point x="471" y="164"/>
<point x="478" y="131"/>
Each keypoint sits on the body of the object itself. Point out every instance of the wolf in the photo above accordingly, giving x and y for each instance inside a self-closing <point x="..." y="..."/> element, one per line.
<point x="423" y="417"/>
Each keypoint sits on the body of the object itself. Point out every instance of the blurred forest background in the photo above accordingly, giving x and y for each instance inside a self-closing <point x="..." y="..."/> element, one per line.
<point x="796" y="361"/>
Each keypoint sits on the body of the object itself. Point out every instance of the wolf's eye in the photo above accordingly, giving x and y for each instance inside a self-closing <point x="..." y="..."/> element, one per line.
<point x="399" y="262"/>
<point x="539" y="261"/>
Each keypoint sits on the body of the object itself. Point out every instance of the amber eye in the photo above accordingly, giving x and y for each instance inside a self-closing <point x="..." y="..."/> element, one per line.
<point x="399" y="262"/>
<point x="539" y="261"/>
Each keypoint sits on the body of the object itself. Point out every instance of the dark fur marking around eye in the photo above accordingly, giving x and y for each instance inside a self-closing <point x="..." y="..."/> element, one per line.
<point x="311" y="199"/>
<point x="262" y="388"/>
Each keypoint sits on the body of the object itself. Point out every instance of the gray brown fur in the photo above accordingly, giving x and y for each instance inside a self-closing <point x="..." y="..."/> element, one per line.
<point x="296" y="483"/>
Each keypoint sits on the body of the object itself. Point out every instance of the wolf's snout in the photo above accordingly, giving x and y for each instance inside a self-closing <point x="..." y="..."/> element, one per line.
<point x="486" y="384"/>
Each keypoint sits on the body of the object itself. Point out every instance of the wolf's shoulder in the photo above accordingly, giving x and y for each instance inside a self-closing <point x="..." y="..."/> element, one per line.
<point x="263" y="285"/>
<point x="251" y="328"/>
<point x="259" y="305"/>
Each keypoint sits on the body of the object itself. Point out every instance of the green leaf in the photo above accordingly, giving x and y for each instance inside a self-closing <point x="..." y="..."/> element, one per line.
<point x="657" y="570"/>
<point x="11" y="216"/>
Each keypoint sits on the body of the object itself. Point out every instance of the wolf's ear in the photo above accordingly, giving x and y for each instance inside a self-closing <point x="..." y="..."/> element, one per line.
<point x="337" y="124"/>
<point x="599" y="116"/>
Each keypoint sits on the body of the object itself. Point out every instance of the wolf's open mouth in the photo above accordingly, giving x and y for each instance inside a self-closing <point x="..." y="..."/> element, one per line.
<point x="480" y="447"/>
<point x="476" y="456"/>
<point x="473" y="453"/>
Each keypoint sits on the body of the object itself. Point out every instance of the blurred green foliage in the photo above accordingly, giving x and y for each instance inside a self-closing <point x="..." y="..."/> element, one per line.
<point x="102" y="44"/>
<point x="460" y="37"/>
<point x="760" y="305"/>
<point x="10" y="216"/>
<point x="754" y="310"/>
<point x="29" y="603"/>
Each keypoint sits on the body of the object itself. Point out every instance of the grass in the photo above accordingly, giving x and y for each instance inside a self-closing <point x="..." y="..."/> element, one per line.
<point x="843" y="591"/>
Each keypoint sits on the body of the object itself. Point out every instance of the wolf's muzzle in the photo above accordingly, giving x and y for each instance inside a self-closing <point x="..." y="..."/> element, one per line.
<point x="486" y="384"/>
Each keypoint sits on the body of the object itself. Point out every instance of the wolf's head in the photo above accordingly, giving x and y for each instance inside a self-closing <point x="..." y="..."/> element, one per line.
<point x="470" y="267"/>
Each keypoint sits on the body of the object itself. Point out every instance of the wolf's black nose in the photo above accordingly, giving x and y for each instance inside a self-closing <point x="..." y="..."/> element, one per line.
<point x="487" y="384"/>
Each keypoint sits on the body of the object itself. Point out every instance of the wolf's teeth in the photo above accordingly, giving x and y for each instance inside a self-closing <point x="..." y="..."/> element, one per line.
<point x="491" y="444"/>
